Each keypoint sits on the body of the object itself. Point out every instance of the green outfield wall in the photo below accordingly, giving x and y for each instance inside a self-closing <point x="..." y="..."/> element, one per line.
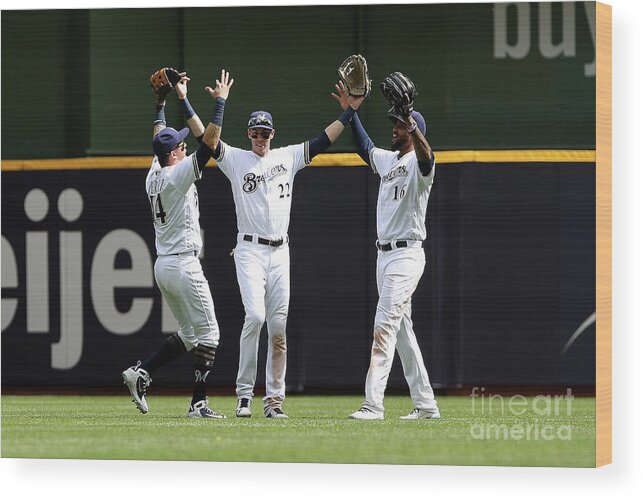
<point x="490" y="76"/>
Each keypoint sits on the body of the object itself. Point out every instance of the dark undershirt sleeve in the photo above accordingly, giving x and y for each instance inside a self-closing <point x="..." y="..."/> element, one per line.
<point x="203" y="154"/>
<point x="362" y="140"/>
<point x="318" y="144"/>
<point x="217" y="151"/>
<point x="427" y="167"/>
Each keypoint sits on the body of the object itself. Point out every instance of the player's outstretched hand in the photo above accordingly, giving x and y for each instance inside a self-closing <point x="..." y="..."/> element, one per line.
<point x="182" y="86"/>
<point x="222" y="86"/>
<point x="344" y="99"/>
<point x="341" y="96"/>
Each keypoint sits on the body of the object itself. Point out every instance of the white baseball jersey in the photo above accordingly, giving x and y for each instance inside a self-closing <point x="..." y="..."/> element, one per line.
<point x="262" y="186"/>
<point x="401" y="211"/>
<point x="403" y="196"/>
<point x="175" y="206"/>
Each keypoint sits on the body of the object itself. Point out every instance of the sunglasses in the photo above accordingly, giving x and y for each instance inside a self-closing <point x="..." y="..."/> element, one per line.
<point x="181" y="145"/>
<point x="261" y="135"/>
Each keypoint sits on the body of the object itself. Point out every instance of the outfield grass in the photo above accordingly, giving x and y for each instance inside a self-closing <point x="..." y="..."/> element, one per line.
<point x="110" y="427"/>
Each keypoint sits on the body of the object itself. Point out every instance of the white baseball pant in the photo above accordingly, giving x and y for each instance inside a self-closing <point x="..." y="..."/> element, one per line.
<point x="263" y="273"/>
<point x="398" y="274"/>
<point x="185" y="288"/>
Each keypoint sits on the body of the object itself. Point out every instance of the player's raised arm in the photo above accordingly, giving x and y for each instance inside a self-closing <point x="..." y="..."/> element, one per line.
<point x="352" y="104"/>
<point x="330" y="134"/>
<point x="193" y="120"/>
<point x="423" y="151"/>
<point x="219" y="93"/>
<point x="356" y="85"/>
<point x="362" y="140"/>
<point x="159" y="119"/>
<point x="162" y="82"/>
<point x="400" y="92"/>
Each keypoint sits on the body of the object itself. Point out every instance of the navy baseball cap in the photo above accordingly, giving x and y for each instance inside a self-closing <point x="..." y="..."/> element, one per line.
<point x="260" y="119"/>
<point x="167" y="140"/>
<point x="419" y="119"/>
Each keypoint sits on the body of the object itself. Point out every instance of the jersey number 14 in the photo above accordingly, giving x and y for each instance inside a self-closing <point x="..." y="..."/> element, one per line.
<point x="158" y="213"/>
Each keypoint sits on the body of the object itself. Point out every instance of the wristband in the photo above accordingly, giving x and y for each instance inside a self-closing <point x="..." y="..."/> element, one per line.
<point x="187" y="108"/>
<point x="217" y="119"/>
<point x="346" y="116"/>
<point x="160" y="113"/>
<point x="412" y="128"/>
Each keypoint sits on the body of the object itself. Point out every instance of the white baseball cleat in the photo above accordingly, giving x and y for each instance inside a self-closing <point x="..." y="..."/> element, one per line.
<point x="423" y="414"/>
<point x="137" y="380"/>
<point x="366" y="413"/>
<point x="200" y="409"/>
<point x="274" y="412"/>
<point x="243" y="408"/>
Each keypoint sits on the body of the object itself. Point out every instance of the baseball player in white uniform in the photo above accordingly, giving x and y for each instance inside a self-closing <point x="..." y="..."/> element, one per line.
<point x="175" y="212"/>
<point x="406" y="176"/>
<point x="262" y="181"/>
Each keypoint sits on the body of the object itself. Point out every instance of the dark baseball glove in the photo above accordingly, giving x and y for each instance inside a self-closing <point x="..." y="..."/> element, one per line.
<point x="354" y="74"/>
<point x="163" y="82"/>
<point x="400" y="93"/>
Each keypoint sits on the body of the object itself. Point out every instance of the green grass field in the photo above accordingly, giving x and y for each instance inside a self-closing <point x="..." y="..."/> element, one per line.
<point x="110" y="427"/>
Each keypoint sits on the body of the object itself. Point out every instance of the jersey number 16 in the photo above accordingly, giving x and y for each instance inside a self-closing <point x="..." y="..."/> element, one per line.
<point x="399" y="192"/>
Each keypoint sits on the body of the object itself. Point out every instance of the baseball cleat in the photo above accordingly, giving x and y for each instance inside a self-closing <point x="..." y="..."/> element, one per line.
<point x="200" y="409"/>
<point x="137" y="380"/>
<point x="243" y="408"/>
<point x="274" y="412"/>
<point x="423" y="414"/>
<point x="366" y="413"/>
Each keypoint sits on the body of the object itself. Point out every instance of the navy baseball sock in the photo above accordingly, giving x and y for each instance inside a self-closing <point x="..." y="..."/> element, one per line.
<point x="203" y="362"/>
<point x="170" y="350"/>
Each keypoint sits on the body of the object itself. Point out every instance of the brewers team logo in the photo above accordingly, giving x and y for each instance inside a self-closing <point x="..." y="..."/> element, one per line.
<point x="251" y="180"/>
<point x="400" y="171"/>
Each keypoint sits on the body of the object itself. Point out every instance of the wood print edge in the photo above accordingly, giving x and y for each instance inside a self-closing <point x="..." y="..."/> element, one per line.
<point x="603" y="234"/>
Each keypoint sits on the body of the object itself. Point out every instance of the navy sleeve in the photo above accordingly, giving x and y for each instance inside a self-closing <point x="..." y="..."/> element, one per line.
<point x="203" y="154"/>
<point x="427" y="167"/>
<point x="318" y="144"/>
<point x="217" y="151"/>
<point x="362" y="140"/>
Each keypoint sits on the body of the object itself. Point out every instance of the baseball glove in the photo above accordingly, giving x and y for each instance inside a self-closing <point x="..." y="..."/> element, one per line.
<point x="400" y="93"/>
<point x="354" y="74"/>
<point x="162" y="82"/>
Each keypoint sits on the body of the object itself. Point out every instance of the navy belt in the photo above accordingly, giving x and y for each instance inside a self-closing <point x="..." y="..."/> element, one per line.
<point x="267" y="242"/>
<point x="393" y="245"/>
<point x="187" y="253"/>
